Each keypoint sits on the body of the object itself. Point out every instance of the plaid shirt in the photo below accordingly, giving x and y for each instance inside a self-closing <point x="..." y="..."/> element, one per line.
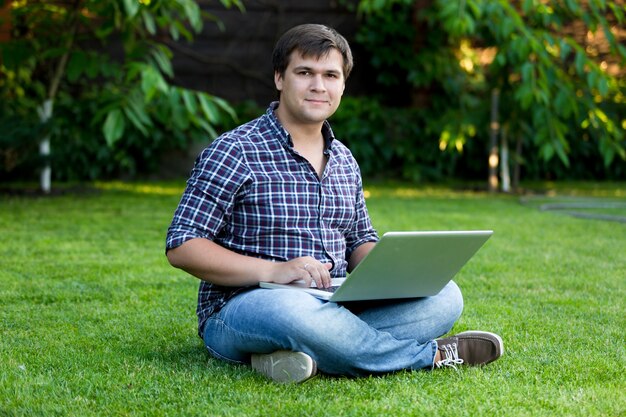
<point x="252" y="193"/>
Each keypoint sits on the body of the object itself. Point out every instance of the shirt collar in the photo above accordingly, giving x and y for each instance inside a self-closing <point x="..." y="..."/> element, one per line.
<point x="285" y="138"/>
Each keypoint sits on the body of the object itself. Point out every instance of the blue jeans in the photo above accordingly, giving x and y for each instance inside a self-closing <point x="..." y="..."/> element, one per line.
<point x="354" y="339"/>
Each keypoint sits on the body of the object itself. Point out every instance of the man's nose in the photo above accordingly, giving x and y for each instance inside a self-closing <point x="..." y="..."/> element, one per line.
<point x="317" y="83"/>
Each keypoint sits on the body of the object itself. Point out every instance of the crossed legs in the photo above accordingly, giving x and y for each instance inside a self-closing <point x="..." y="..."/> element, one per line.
<point x="353" y="339"/>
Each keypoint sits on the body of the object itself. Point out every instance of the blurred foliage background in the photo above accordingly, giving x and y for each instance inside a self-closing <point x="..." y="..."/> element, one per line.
<point x="93" y="77"/>
<point x="492" y="76"/>
<point x="530" y="89"/>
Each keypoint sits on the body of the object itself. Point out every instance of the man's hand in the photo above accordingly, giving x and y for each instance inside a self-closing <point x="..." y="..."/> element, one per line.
<point x="213" y="263"/>
<point x="306" y="268"/>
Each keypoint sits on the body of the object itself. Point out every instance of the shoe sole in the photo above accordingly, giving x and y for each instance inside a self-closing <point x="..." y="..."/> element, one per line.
<point x="284" y="366"/>
<point x="489" y="336"/>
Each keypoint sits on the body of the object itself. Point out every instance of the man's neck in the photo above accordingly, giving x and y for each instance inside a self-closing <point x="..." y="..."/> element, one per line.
<point x="308" y="141"/>
<point x="302" y="134"/>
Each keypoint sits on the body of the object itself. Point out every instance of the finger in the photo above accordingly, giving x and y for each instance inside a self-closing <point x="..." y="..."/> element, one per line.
<point x="312" y="270"/>
<point x="318" y="272"/>
<point x="324" y="271"/>
<point x="322" y="275"/>
<point x="307" y="275"/>
<point x="317" y="277"/>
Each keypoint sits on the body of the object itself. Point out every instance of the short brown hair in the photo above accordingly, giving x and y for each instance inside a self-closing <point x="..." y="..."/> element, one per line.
<point x="310" y="40"/>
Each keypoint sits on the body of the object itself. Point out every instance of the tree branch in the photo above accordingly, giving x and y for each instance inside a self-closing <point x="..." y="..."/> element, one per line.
<point x="60" y="68"/>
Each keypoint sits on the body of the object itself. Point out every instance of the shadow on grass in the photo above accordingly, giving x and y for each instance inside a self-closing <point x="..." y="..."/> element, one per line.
<point x="584" y="208"/>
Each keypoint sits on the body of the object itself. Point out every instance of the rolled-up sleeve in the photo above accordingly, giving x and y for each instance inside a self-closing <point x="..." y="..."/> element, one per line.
<point x="207" y="202"/>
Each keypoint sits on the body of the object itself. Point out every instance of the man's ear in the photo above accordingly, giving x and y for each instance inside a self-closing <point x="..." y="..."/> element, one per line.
<point x="278" y="81"/>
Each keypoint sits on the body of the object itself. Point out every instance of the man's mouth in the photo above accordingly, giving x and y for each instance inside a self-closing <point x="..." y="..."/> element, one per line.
<point x="316" y="101"/>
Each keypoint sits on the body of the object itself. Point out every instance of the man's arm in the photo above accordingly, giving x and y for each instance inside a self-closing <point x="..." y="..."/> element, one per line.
<point x="358" y="254"/>
<point x="211" y="262"/>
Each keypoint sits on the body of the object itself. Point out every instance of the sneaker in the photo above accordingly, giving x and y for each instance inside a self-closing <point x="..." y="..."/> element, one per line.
<point x="285" y="366"/>
<point x="469" y="348"/>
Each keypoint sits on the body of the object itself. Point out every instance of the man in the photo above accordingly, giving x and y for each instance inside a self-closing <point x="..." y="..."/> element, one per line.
<point x="280" y="199"/>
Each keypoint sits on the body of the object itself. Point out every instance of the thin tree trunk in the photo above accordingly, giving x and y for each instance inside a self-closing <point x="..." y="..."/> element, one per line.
<point x="46" y="109"/>
<point x="45" y="177"/>
<point x="493" y="141"/>
<point x="505" y="174"/>
<point x="517" y="164"/>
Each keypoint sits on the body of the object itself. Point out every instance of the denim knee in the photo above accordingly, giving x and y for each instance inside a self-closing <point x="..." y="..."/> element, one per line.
<point x="451" y="304"/>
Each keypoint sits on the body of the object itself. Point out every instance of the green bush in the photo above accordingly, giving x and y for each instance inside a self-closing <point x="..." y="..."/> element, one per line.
<point x="556" y="96"/>
<point x="391" y="142"/>
<point x="80" y="152"/>
<point x="19" y="147"/>
<point x="102" y="71"/>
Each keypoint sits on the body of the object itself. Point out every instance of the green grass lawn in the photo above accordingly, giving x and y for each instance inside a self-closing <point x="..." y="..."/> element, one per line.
<point x="96" y="323"/>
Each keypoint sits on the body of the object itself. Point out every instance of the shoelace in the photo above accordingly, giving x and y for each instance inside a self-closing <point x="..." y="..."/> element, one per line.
<point x="451" y="358"/>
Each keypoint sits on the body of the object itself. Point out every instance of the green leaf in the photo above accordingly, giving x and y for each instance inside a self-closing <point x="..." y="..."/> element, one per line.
<point x="131" y="7"/>
<point x="149" y="83"/>
<point x="134" y="108"/>
<point x="527" y="6"/>
<point x="148" y="21"/>
<point x="223" y="104"/>
<point x="547" y="151"/>
<point x="236" y="3"/>
<point x="138" y="107"/>
<point x="178" y="114"/>
<point x="524" y="95"/>
<point x="475" y="8"/>
<point x="563" y="103"/>
<point x="565" y="49"/>
<point x="608" y="157"/>
<point x="190" y="101"/>
<point x="180" y="29"/>
<point x="618" y="12"/>
<point x="505" y="28"/>
<point x="603" y="86"/>
<point x="94" y="67"/>
<point x="208" y="128"/>
<point x="163" y="61"/>
<point x="192" y="11"/>
<point x="208" y="108"/>
<point x="469" y="24"/>
<point x="579" y="62"/>
<point x="114" y="126"/>
<point x="542" y="96"/>
<point x="108" y="68"/>
<point x="500" y="59"/>
<point x="573" y="6"/>
<point x="592" y="79"/>
<point x="152" y="82"/>
<point x="16" y="53"/>
<point x="528" y="72"/>
<point x="76" y="65"/>
<point x="174" y="98"/>
<point x="133" y="70"/>
<point x="179" y="118"/>
<point x="174" y="32"/>
<point x="561" y="154"/>
<point x="134" y="118"/>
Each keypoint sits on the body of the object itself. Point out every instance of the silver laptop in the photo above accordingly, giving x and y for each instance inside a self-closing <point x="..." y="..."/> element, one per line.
<point x="402" y="265"/>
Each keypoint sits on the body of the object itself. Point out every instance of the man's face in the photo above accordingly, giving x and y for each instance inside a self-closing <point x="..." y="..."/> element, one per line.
<point x="311" y="88"/>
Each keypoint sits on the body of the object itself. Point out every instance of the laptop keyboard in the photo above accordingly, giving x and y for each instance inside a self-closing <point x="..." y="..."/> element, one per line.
<point x="329" y="289"/>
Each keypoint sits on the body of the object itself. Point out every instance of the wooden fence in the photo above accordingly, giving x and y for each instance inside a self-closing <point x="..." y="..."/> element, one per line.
<point x="234" y="62"/>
